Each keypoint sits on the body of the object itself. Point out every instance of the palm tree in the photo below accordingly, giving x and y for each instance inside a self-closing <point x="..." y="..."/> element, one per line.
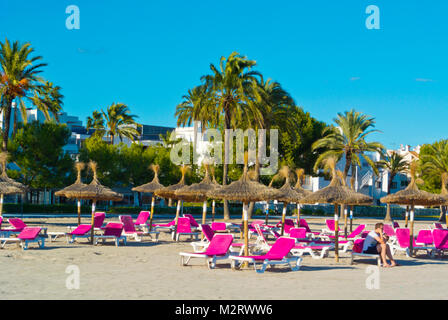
<point x="348" y="139"/>
<point x="19" y="79"/>
<point x="434" y="162"/>
<point x="96" y="121"/>
<point x="233" y="85"/>
<point x="115" y="121"/>
<point x="395" y="164"/>
<point x="167" y="139"/>
<point x="197" y="106"/>
<point x="278" y="111"/>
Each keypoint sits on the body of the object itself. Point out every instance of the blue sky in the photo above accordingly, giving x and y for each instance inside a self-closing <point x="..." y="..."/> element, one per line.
<point x="147" y="54"/>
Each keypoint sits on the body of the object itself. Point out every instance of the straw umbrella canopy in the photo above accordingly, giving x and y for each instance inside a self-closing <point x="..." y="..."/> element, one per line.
<point x="197" y="192"/>
<point x="355" y="199"/>
<point x="8" y="185"/>
<point x="287" y="194"/>
<point x="170" y="191"/>
<point x="94" y="191"/>
<point x="413" y="196"/>
<point x="75" y="187"/>
<point x="299" y="189"/>
<point x="151" y="187"/>
<point x="335" y="193"/>
<point x="246" y="191"/>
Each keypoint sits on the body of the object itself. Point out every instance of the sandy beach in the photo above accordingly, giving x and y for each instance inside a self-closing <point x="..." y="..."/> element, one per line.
<point x="149" y="270"/>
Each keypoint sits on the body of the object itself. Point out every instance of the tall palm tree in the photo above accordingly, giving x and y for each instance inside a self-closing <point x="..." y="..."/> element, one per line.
<point x="435" y="163"/>
<point x="348" y="139"/>
<point x="115" y="121"/>
<point x="19" y="79"/>
<point x="197" y="106"/>
<point x="96" y="121"/>
<point x="278" y="111"/>
<point x="395" y="164"/>
<point x="233" y="86"/>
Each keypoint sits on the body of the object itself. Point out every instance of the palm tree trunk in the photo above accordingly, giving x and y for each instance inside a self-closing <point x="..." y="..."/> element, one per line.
<point x="388" y="218"/>
<point x="257" y="172"/>
<point x="6" y="122"/>
<point x="225" y="165"/>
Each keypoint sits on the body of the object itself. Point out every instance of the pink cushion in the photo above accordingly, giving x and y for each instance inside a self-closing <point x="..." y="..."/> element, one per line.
<point x="142" y="217"/>
<point x="113" y="229"/>
<point x="81" y="230"/>
<point x="17" y="223"/>
<point x="29" y="233"/>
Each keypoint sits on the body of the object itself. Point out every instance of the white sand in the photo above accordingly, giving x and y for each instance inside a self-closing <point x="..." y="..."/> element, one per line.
<point x="152" y="271"/>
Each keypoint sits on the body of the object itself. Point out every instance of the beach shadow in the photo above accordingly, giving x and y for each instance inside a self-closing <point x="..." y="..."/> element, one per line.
<point x="325" y="268"/>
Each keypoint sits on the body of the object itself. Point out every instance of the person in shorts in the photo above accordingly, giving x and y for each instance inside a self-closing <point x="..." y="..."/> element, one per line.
<point x="376" y="243"/>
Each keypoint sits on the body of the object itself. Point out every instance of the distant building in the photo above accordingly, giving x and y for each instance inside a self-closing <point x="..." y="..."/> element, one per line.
<point x="365" y="180"/>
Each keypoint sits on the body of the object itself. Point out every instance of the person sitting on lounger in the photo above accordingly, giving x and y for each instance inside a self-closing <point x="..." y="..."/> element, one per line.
<point x="376" y="243"/>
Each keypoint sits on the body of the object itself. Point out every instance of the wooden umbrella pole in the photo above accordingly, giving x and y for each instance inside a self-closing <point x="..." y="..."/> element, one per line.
<point x="1" y="204"/>
<point x="204" y="215"/>
<point x="152" y="212"/>
<point x="345" y="222"/>
<point x="246" y="229"/>
<point x="336" y="233"/>
<point x="406" y="218"/>
<point x="92" y="231"/>
<point x="411" y="232"/>
<point x="177" y="212"/>
<point x="351" y="219"/>
<point x="266" y="212"/>
<point x="285" y="205"/>
<point x="299" y="207"/>
<point x="213" y="210"/>
<point x="446" y="217"/>
<point x="79" y="212"/>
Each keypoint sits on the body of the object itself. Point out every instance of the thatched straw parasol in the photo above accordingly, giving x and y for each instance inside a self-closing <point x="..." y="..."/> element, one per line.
<point x="197" y="192"/>
<point x="7" y="185"/>
<point x="170" y="191"/>
<point x="413" y="196"/>
<point x="335" y="193"/>
<point x="75" y="187"/>
<point x="355" y="199"/>
<point x="245" y="190"/>
<point x="94" y="191"/>
<point x="299" y="189"/>
<point x="287" y="194"/>
<point x="151" y="187"/>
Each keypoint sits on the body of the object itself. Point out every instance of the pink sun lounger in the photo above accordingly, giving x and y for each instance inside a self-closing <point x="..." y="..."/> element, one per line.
<point x="193" y="223"/>
<point x="330" y="227"/>
<point x="218" y="249"/>
<point x="403" y="243"/>
<point x="208" y="236"/>
<point x="357" y="252"/>
<point x="130" y="231"/>
<point x="82" y="231"/>
<point x="165" y="227"/>
<point x="112" y="231"/>
<point x="353" y="235"/>
<point x="440" y="241"/>
<point x="278" y="254"/>
<point x="26" y="236"/>
<point x="142" y="219"/>
<point x="305" y="225"/>
<point x="184" y="229"/>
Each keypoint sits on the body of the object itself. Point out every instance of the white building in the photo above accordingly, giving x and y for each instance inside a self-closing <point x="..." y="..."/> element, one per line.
<point x="365" y="180"/>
